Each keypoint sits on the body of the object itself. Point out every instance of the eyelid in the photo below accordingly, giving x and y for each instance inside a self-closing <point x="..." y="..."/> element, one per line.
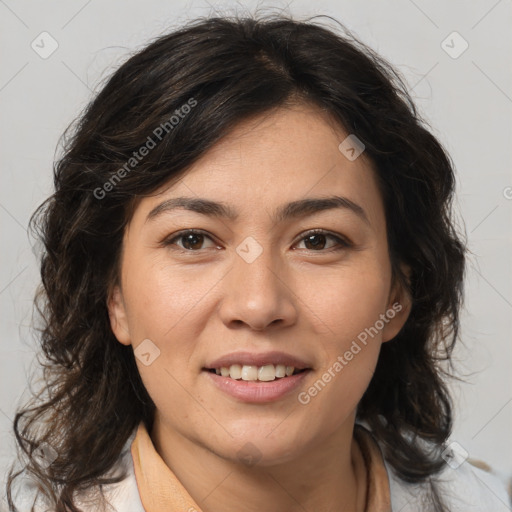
<point x="342" y="240"/>
<point x="168" y="239"/>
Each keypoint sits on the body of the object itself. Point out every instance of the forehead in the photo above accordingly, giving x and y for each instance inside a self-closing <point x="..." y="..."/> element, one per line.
<point x="278" y="157"/>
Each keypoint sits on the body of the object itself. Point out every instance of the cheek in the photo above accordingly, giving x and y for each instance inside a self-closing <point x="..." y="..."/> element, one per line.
<point x="350" y="309"/>
<point x="347" y="300"/>
<point x="162" y="297"/>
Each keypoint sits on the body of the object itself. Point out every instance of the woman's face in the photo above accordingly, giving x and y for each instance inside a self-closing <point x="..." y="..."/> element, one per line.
<point x="255" y="290"/>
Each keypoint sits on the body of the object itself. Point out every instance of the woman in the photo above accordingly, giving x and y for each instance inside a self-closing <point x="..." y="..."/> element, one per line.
<point x="251" y="274"/>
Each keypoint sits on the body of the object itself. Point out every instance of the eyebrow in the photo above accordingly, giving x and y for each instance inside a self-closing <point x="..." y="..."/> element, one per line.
<point x="295" y="209"/>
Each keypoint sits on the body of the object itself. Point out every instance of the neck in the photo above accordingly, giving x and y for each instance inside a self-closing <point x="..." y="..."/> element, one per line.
<point x="322" y="477"/>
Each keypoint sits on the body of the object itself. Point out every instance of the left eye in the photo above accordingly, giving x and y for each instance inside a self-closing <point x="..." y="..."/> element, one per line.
<point x="313" y="238"/>
<point x="193" y="239"/>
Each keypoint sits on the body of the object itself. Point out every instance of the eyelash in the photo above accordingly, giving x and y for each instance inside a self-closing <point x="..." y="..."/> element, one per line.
<point x="342" y="243"/>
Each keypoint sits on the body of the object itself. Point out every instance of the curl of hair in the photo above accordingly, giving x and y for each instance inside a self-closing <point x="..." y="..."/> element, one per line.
<point x="234" y="68"/>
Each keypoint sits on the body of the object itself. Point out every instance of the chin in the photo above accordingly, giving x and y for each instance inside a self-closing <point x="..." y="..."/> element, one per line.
<point x="263" y="443"/>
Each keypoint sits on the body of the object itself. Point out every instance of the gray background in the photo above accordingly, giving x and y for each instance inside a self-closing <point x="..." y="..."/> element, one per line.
<point x="467" y="100"/>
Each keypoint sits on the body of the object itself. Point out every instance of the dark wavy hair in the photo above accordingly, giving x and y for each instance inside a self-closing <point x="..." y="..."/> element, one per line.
<point x="232" y="68"/>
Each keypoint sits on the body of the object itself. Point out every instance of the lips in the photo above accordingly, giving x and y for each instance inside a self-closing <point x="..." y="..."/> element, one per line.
<point x="257" y="378"/>
<point x="251" y="391"/>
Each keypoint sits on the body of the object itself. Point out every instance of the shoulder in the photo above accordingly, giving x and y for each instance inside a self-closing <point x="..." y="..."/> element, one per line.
<point x="465" y="489"/>
<point x="122" y="496"/>
<point x="464" y="485"/>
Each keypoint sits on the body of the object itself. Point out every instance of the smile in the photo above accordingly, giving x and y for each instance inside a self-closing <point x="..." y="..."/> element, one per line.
<point x="266" y="373"/>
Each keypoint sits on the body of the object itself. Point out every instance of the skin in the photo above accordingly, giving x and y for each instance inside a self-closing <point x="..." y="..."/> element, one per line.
<point x="307" y="301"/>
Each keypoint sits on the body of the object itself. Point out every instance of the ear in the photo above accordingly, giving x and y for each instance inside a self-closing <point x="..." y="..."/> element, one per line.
<point x="117" y="314"/>
<point x="399" y="307"/>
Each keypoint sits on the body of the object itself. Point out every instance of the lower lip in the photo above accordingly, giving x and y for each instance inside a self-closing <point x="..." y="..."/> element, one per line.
<point x="257" y="391"/>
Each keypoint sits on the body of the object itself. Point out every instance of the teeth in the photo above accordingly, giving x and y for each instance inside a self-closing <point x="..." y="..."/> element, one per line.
<point x="280" y="370"/>
<point x="235" y="371"/>
<point x="264" y="373"/>
<point x="249" y="372"/>
<point x="267" y="372"/>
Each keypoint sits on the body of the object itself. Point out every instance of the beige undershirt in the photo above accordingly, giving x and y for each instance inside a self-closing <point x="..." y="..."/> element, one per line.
<point x="160" y="489"/>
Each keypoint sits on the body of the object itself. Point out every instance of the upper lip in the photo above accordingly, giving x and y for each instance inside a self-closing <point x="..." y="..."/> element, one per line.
<point x="253" y="359"/>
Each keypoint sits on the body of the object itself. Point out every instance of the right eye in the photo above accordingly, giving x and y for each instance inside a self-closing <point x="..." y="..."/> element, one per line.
<point x="192" y="239"/>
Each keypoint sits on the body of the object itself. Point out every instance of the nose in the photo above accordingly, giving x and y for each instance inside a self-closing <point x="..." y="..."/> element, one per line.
<point x="258" y="294"/>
